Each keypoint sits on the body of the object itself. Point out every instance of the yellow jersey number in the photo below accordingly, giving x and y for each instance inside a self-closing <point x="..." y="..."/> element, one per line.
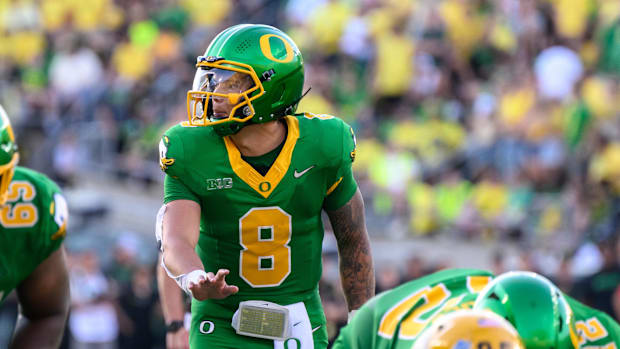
<point x="592" y="330"/>
<point x="264" y="234"/>
<point x="23" y="214"/>
<point x="433" y="301"/>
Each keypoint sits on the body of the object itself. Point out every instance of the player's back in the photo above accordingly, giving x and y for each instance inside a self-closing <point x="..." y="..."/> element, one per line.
<point x="597" y="329"/>
<point x="32" y="226"/>
<point x="395" y="318"/>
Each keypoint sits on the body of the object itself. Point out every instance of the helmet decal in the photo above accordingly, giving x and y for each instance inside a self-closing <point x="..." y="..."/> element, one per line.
<point x="265" y="47"/>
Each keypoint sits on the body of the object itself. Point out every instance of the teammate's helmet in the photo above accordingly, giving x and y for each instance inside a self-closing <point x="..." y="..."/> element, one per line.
<point x="257" y="69"/>
<point x="8" y="155"/>
<point x="534" y="306"/>
<point x="470" y="329"/>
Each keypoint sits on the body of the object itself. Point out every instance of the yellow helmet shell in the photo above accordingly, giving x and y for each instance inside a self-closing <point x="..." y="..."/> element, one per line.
<point x="470" y="329"/>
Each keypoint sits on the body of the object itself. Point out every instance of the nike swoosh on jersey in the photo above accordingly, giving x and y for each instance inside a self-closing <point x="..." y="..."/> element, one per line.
<point x="299" y="174"/>
<point x="316" y="328"/>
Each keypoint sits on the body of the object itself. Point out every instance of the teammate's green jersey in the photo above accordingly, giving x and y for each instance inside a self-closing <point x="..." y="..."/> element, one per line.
<point x="266" y="230"/>
<point x="32" y="226"/>
<point x="597" y="329"/>
<point x="395" y="318"/>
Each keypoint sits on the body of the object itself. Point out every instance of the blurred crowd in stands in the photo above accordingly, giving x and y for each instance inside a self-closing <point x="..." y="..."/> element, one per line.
<point x="475" y="119"/>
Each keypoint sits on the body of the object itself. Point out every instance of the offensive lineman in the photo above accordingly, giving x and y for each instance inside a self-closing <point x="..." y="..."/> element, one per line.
<point x="33" y="219"/>
<point x="543" y="316"/>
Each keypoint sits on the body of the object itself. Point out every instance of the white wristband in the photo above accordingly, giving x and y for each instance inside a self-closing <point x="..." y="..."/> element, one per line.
<point x="191" y="277"/>
<point x="351" y="313"/>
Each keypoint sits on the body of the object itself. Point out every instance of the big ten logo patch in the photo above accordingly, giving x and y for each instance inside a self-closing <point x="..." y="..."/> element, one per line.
<point x="219" y="183"/>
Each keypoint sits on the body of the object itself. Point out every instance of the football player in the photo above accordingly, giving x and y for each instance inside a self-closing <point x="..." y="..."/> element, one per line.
<point x="33" y="219"/>
<point x="173" y="308"/>
<point x="171" y="299"/>
<point x="542" y="315"/>
<point x="246" y="182"/>
<point x="468" y="328"/>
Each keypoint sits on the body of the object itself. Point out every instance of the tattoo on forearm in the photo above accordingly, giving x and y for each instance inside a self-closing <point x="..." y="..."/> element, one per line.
<point x="356" y="268"/>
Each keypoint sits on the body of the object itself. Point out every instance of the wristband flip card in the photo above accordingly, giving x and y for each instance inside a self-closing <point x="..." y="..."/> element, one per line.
<point x="262" y="319"/>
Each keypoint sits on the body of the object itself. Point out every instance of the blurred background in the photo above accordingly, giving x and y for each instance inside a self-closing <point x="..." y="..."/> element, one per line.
<point x="488" y="135"/>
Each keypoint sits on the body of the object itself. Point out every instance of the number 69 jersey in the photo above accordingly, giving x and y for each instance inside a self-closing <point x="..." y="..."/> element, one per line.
<point x="266" y="230"/>
<point x="32" y="226"/>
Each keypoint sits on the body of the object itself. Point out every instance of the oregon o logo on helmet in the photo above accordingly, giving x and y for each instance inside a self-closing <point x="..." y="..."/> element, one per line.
<point x="207" y="330"/>
<point x="264" y="186"/>
<point x="265" y="47"/>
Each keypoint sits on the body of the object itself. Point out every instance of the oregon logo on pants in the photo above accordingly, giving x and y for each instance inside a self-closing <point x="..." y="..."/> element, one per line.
<point x="206" y="327"/>
<point x="289" y="341"/>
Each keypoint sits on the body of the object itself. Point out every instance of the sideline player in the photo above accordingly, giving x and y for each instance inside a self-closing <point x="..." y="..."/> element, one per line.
<point x="171" y="299"/>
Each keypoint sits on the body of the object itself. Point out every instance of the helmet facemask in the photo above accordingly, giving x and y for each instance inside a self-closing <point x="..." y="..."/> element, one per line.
<point x="222" y="94"/>
<point x="6" y="176"/>
<point x="8" y="155"/>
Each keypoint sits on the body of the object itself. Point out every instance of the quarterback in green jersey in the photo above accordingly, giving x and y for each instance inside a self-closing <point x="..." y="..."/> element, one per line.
<point x="246" y="182"/>
<point x="542" y="315"/>
<point x="33" y="217"/>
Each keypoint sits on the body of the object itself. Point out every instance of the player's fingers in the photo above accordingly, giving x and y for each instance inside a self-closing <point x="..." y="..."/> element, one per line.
<point x="221" y="274"/>
<point x="228" y="290"/>
<point x="208" y="280"/>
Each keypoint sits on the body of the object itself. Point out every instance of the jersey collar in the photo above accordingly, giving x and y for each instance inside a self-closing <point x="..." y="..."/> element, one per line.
<point x="264" y="185"/>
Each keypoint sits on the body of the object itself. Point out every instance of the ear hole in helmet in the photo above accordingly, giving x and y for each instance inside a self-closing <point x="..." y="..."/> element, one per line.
<point x="494" y="296"/>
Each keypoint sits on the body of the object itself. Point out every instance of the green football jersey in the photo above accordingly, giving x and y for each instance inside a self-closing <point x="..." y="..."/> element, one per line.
<point x="32" y="226"/>
<point x="266" y="230"/>
<point x="596" y="328"/>
<point x="395" y="318"/>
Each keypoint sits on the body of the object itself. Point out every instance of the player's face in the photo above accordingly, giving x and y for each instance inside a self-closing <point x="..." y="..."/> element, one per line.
<point x="227" y="87"/>
<point x="234" y="85"/>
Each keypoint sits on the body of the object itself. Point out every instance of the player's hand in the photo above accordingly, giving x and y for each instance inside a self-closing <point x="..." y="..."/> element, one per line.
<point x="178" y="339"/>
<point x="213" y="287"/>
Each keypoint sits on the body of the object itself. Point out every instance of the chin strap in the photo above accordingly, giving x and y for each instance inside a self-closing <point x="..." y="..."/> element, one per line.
<point x="289" y="110"/>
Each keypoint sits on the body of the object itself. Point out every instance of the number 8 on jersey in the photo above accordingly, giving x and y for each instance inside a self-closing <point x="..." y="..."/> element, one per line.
<point x="264" y="234"/>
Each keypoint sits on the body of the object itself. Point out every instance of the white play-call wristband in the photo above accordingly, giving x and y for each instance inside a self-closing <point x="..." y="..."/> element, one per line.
<point x="191" y="277"/>
<point x="351" y="314"/>
<point x="183" y="280"/>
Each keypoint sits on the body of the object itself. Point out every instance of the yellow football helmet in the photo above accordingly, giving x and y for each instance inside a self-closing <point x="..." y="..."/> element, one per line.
<point x="8" y="155"/>
<point x="470" y="329"/>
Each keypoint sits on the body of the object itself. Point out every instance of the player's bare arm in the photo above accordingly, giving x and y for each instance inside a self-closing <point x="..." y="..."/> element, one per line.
<point x="180" y="236"/>
<point x="173" y="307"/>
<point x="44" y="304"/>
<point x="356" y="269"/>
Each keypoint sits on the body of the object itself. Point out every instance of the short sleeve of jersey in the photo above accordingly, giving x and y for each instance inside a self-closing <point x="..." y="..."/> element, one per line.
<point x="344" y="186"/>
<point x="172" y="162"/>
<point x="174" y="189"/>
<point x="597" y="329"/>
